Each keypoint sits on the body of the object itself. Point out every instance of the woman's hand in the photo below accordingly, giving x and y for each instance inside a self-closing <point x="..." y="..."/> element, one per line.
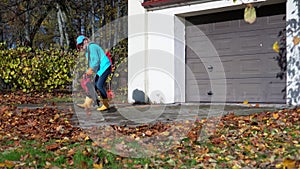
<point x="89" y="72"/>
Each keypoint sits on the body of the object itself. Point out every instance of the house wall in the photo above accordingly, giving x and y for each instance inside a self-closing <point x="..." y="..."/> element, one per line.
<point x="136" y="50"/>
<point x="293" y="52"/>
<point x="156" y="49"/>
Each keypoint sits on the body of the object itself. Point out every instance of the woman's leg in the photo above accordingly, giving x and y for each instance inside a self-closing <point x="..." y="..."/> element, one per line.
<point x="100" y="83"/>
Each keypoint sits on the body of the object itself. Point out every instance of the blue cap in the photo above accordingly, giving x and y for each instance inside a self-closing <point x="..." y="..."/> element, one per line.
<point x="80" y="39"/>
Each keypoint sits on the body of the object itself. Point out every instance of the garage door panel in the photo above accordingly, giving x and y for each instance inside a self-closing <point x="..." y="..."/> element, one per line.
<point x="261" y="90"/>
<point x="233" y="44"/>
<point x="241" y="55"/>
<point x="249" y="43"/>
<point x="238" y="90"/>
<point x="250" y="66"/>
<point x="270" y="36"/>
<point x="212" y="68"/>
<point x="204" y="88"/>
<point x="276" y="20"/>
<point x="250" y="89"/>
<point x="224" y="44"/>
<point x="258" y="24"/>
<point x="201" y="47"/>
<point x="274" y="86"/>
<point x="272" y="67"/>
<point x="225" y="27"/>
<point x="203" y="29"/>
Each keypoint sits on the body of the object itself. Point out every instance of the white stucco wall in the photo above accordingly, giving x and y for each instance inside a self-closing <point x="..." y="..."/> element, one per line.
<point x="136" y="48"/>
<point x="156" y="63"/>
<point x="293" y="53"/>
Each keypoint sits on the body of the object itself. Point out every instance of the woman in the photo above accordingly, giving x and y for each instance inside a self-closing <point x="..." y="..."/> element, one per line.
<point x="98" y="63"/>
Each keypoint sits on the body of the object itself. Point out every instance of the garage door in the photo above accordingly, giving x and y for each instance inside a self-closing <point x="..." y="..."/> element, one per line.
<point x="248" y="70"/>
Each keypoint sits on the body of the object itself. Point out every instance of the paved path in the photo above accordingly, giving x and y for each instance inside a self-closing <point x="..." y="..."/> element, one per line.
<point x="131" y="115"/>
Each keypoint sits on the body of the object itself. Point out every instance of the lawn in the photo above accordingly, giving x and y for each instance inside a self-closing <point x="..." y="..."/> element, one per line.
<point x="46" y="138"/>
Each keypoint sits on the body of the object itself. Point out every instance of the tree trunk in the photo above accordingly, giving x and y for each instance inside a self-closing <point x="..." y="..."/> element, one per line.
<point x="38" y="24"/>
<point x="28" y="41"/>
<point x="93" y="21"/>
<point x="61" y="18"/>
<point x="64" y="21"/>
<point x="60" y="26"/>
<point x="1" y="29"/>
<point x="102" y="23"/>
<point x="117" y="24"/>
<point x="114" y="31"/>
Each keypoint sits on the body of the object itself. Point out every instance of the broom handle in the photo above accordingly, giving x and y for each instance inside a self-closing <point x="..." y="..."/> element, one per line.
<point x="109" y="85"/>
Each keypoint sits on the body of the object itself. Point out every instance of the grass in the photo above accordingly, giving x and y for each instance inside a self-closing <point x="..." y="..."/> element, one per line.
<point x="35" y="154"/>
<point x="66" y="99"/>
<point x="31" y="153"/>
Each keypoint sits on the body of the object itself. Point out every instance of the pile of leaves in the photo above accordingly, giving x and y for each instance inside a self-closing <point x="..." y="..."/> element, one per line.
<point x="41" y="124"/>
<point x="261" y="140"/>
<point x="19" y="97"/>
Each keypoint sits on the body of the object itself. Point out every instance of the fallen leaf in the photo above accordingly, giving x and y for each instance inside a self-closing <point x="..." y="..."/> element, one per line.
<point x="246" y="102"/>
<point x="296" y="40"/>
<point x="56" y="117"/>
<point x="148" y="133"/>
<point x="97" y="166"/>
<point x="52" y="146"/>
<point x="275" y="115"/>
<point x="8" y="164"/>
<point x="289" y="163"/>
<point x="71" y="152"/>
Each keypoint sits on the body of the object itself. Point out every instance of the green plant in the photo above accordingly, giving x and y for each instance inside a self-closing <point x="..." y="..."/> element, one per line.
<point x="36" y="70"/>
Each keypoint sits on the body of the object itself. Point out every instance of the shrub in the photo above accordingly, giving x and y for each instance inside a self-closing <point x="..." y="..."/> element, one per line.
<point x="36" y="70"/>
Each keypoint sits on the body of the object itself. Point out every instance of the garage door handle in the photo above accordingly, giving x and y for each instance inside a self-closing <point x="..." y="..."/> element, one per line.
<point x="210" y="93"/>
<point x="210" y="68"/>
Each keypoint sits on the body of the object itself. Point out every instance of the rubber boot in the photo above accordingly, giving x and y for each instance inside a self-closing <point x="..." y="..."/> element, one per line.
<point x="105" y="105"/>
<point x="87" y="103"/>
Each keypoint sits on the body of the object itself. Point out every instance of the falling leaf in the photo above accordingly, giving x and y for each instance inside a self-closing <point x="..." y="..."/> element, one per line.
<point x="276" y="47"/>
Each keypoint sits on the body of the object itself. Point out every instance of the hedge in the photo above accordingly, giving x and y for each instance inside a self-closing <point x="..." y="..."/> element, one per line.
<point x="36" y="70"/>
